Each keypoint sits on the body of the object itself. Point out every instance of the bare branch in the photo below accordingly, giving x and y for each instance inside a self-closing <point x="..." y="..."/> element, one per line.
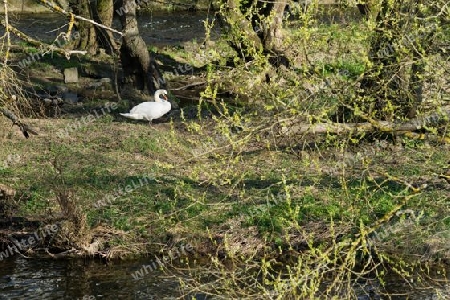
<point x="31" y="41"/>
<point x="59" y="9"/>
<point x="25" y="128"/>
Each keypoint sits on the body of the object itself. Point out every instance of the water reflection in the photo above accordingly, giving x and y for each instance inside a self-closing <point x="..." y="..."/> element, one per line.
<point x="22" y="278"/>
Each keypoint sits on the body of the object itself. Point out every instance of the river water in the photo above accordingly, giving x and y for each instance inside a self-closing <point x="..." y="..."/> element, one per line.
<point x="22" y="278"/>
<point x="89" y="279"/>
<point x="157" y="29"/>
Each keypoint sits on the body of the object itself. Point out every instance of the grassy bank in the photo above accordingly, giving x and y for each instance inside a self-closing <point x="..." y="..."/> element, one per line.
<point x="243" y="203"/>
<point x="194" y="190"/>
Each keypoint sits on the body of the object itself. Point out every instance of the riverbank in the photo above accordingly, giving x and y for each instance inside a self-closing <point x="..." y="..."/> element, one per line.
<point x="267" y="209"/>
<point x="263" y="212"/>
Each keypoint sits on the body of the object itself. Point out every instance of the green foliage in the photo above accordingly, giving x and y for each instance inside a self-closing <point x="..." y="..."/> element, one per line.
<point x="304" y="188"/>
<point x="36" y="203"/>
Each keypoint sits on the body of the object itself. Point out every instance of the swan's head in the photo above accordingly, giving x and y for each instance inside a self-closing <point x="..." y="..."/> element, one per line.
<point x="161" y="96"/>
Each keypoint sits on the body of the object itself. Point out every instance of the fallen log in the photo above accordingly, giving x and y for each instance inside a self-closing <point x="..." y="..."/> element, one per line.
<point x="292" y="126"/>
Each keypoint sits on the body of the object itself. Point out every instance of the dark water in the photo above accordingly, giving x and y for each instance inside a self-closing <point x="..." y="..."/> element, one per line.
<point x="157" y="29"/>
<point x="22" y="278"/>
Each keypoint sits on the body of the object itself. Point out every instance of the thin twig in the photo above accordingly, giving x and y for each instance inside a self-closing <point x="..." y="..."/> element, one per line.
<point x="8" y="41"/>
<point x="36" y="43"/>
<point x="194" y="84"/>
<point x="59" y="9"/>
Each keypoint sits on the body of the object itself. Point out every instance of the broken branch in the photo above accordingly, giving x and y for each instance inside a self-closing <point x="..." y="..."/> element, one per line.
<point x="25" y="128"/>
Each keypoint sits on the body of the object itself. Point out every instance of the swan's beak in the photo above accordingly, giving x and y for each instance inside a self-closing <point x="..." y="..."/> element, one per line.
<point x="165" y="97"/>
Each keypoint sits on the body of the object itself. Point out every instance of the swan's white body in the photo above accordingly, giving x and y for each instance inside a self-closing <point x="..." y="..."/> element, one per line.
<point x="150" y="110"/>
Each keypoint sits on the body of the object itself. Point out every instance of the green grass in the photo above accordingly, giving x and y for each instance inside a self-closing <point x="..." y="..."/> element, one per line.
<point x="141" y="144"/>
<point x="97" y="164"/>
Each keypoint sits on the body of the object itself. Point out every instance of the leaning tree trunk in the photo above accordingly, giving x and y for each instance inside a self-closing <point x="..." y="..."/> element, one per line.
<point x="399" y="46"/>
<point x="103" y="13"/>
<point x="138" y="67"/>
<point x="254" y="28"/>
<point x="88" y="36"/>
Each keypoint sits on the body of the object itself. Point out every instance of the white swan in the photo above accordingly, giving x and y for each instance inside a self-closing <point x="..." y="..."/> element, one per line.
<point x="151" y="110"/>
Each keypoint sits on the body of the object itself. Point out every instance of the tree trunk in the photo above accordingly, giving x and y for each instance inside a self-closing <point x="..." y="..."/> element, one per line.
<point x="243" y="35"/>
<point x="138" y="67"/>
<point x="273" y="35"/>
<point x="103" y="13"/>
<point x="295" y="128"/>
<point x="255" y="28"/>
<point x="393" y="85"/>
<point x="88" y="36"/>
